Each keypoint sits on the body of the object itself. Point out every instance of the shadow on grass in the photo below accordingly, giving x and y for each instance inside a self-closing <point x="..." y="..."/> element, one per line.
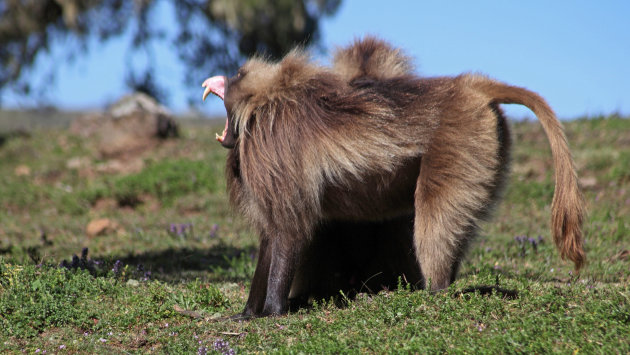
<point x="219" y="263"/>
<point x="175" y="265"/>
<point x="487" y="291"/>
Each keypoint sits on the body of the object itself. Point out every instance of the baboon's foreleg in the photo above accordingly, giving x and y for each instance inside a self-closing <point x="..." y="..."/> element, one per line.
<point x="284" y="257"/>
<point x="258" y="289"/>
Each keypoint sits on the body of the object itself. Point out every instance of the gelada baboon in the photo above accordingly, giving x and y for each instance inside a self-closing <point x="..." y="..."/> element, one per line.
<point x="316" y="150"/>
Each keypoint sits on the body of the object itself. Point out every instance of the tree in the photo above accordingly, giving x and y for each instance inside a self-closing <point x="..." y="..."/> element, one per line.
<point x="211" y="34"/>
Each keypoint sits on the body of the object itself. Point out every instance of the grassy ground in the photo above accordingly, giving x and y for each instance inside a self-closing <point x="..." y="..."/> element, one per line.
<point x="173" y="258"/>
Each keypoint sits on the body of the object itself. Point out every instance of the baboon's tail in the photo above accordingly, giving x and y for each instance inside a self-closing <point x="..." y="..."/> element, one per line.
<point x="567" y="208"/>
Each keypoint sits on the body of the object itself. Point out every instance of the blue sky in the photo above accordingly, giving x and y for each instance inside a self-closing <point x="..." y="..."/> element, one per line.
<point x="574" y="53"/>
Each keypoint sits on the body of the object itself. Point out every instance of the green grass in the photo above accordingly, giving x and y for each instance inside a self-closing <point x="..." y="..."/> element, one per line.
<point x="165" y="180"/>
<point x="176" y="259"/>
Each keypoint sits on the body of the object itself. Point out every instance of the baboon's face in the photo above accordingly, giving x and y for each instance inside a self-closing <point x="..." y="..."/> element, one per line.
<point x="241" y="94"/>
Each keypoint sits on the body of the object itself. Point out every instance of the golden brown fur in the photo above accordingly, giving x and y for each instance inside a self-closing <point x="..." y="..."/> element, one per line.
<point x="371" y="58"/>
<point x="367" y="141"/>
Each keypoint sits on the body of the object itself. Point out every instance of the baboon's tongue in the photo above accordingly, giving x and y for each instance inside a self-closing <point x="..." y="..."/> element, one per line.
<point x="216" y="85"/>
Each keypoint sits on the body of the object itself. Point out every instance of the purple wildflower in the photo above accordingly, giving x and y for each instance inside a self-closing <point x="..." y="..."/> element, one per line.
<point x="213" y="230"/>
<point x="523" y="240"/>
<point x="534" y="243"/>
<point x="520" y="239"/>
<point x="146" y="275"/>
<point x="75" y="262"/>
<point x="223" y="347"/>
<point x="181" y="229"/>
<point x="117" y="267"/>
<point x="82" y="262"/>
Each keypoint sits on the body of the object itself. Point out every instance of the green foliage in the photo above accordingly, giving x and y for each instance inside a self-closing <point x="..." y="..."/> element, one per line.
<point x="165" y="180"/>
<point x="544" y="318"/>
<point x="34" y="299"/>
<point x="21" y="195"/>
<point x="239" y="268"/>
<point x="238" y="28"/>
<point x="201" y="296"/>
<point x="538" y="193"/>
<point x="621" y="170"/>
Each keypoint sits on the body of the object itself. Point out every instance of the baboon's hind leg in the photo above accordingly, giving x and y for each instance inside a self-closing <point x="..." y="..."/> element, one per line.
<point x="441" y="236"/>
<point x="458" y="183"/>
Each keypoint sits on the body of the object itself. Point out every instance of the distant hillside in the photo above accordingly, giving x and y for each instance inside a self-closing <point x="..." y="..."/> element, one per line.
<point x="27" y="120"/>
<point x="12" y="120"/>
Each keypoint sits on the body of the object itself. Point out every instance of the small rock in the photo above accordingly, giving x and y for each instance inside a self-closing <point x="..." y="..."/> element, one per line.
<point x="105" y="204"/>
<point x="133" y="283"/>
<point x="77" y="163"/>
<point x="100" y="226"/>
<point x="121" y="166"/>
<point x="588" y="182"/>
<point x="216" y="315"/>
<point x="22" y="170"/>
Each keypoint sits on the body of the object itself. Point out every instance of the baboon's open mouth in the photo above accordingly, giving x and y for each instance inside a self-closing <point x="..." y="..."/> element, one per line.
<point x="221" y="137"/>
<point x="216" y="85"/>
